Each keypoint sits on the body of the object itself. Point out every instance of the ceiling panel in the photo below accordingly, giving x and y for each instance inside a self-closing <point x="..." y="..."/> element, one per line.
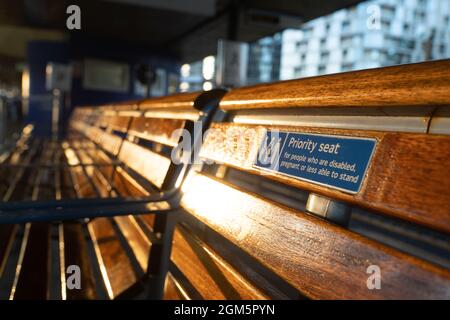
<point x="191" y="34"/>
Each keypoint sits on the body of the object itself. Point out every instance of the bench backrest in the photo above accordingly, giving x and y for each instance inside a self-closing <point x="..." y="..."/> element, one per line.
<point x="125" y="150"/>
<point x="297" y="241"/>
<point x="140" y="134"/>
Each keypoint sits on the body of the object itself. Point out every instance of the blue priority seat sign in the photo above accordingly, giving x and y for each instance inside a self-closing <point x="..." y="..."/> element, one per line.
<point x="338" y="162"/>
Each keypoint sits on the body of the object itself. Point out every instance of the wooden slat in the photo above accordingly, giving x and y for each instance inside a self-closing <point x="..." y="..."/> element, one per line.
<point x="128" y="226"/>
<point x="150" y="165"/>
<point x="409" y="175"/>
<point x="137" y="240"/>
<point x="103" y="120"/>
<point x="34" y="268"/>
<point x="75" y="253"/>
<point x="93" y="133"/>
<point x="177" y="101"/>
<point x="126" y="105"/>
<point x="421" y="84"/>
<point x="79" y="114"/>
<point x="159" y="130"/>
<point x="77" y="129"/>
<point x="213" y="277"/>
<point x="74" y="249"/>
<point x="35" y="247"/>
<point x="78" y="143"/>
<point x="7" y="175"/>
<point x="118" y="123"/>
<point x="82" y="185"/>
<point x="172" y="289"/>
<point x="110" y="143"/>
<point x="67" y="189"/>
<point x="116" y="268"/>
<point x="127" y="186"/>
<point x="111" y="249"/>
<point x="321" y="260"/>
<point x="84" y="158"/>
<point x="7" y="235"/>
<point x="99" y="157"/>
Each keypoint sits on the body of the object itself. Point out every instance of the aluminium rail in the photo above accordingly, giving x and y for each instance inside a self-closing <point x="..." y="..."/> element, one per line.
<point x="60" y="210"/>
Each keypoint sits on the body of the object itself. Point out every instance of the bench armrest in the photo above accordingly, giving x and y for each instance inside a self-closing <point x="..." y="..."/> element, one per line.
<point x="60" y="210"/>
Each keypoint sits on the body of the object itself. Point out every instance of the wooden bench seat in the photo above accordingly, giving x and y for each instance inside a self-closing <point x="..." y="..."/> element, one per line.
<point x="306" y="246"/>
<point x="238" y="229"/>
<point x="106" y="154"/>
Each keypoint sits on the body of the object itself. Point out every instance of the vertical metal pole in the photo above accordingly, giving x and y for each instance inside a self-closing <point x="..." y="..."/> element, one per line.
<point x="2" y="121"/>
<point x="159" y="257"/>
<point x="56" y="105"/>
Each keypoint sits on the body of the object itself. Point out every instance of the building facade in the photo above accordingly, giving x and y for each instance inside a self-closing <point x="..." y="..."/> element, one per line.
<point x="372" y="34"/>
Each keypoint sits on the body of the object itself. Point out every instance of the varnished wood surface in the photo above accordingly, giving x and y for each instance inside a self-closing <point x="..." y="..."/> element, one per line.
<point x="35" y="245"/>
<point x="171" y="289"/>
<point x="178" y="101"/>
<point x="120" y="274"/>
<point x="321" y="260"/>
<point x="32" y="279"/>
<point x="76" y="253"/>
<point x="212" y="277"/>
<point x="107" y="141"/>
<point x="79" y="143"/>
<point x="103" y="120"/>
<point x="100" y="157"/>
<point x="119" y="123"/>
<point x="159" y="130"/>
<point x="110" y="143"/>
<point x="408" y="177"/>
<point x="137" y="240"/>
<point x="115" y="267"/>
<point x="127" y="186"/>
<point x="7" y="235"/>
<point x="117" y="271"/>
<point x="149" y="164"/>
<point x="126" y="105"/>
<point x="82" y="185"/>
<point x="75" y="181"/>
<point x="421" y="84"/>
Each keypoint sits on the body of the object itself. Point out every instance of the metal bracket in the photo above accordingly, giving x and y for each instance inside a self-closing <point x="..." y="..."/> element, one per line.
<point x="335" y="211"/>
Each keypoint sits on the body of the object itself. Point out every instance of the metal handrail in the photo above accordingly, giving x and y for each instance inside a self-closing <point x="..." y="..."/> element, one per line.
<point x="59" y="210"/>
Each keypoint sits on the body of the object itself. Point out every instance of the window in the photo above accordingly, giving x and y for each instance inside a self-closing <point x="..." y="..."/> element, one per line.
<point x="406" y="27"/>
<point x="344" y="54"/>
<point x="324" y="56"/>
<point x="346" y="26"/>
<point x="321" y="69"/>
<point x="411" y="31"/>
<point x="347" y="67"/>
